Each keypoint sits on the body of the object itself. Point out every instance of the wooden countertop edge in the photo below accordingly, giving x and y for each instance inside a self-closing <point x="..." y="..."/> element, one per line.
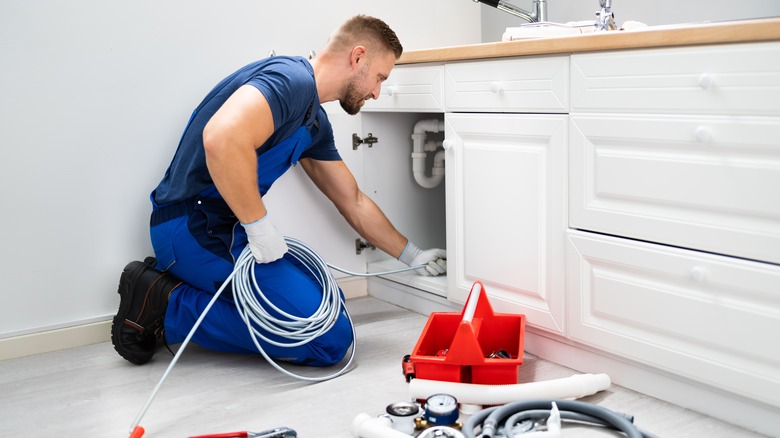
<point x="767" y="29"/>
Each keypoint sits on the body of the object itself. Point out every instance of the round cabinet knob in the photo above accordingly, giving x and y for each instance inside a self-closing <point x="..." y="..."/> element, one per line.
<point x="698" y="274"/>
<point x="447" y="145"/>
<point x="496" y="88"/>
<point x="705" y="81"/>
<point x="703" y="134"/>
<point x="388" y="90"/>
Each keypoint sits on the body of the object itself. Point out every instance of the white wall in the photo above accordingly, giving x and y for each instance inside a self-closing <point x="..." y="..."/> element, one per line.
<point x="656" y="12"/>
<point x="93" y="97"/>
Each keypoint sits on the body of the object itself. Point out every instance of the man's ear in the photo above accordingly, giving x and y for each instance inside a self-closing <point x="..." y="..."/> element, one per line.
<point x="358" y="55"/>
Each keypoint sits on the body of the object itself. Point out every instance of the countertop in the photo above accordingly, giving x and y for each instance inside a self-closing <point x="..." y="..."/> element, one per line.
<point x="767" y="29"/>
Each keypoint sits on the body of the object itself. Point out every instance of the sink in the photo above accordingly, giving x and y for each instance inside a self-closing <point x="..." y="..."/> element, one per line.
<point x="551" y="30"/>
<point x="547" y="30"/>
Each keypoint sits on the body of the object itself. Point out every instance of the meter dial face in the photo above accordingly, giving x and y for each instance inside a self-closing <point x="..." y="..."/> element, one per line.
<point x="441" y="404"/>
<point x="441" y="409"/>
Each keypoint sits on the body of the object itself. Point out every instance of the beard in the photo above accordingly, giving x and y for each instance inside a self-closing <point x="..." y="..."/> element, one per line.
<point x="353" y="99"/>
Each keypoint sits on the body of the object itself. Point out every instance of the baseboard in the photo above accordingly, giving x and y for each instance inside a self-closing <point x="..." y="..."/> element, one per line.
<point x="54" y="340"/>
<point x="96" y="332"/>
<point x="409" y="298"/>
<point x="354" y="287"/>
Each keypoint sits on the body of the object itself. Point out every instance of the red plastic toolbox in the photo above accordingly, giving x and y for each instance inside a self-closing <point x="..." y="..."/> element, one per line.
<point x="473" y="346"/>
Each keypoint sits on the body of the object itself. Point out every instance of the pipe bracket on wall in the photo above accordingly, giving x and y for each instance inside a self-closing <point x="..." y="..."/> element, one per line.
<point x="361" y="245"/>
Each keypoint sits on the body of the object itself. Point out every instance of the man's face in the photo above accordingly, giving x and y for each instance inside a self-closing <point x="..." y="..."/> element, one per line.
<point x="366" y="83"/>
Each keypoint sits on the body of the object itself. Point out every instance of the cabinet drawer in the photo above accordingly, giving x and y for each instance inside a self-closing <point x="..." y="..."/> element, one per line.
<point x="737" y="79"/>
<point x="411" y="88"/>
<point x="707" y="183"/>
<point x="514" y="85"/>
<point x="705" y="317"/>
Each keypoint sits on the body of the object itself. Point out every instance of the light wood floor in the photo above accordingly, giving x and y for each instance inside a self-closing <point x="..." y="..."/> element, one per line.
<point x="92" y="392"/>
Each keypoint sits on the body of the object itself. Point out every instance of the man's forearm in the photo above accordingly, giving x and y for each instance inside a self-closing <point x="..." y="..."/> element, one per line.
<point x="372" y="224"/>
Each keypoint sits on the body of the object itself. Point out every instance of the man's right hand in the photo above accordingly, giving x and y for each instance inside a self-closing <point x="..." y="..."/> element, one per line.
<point x="433" y="261"/>
<point x="265" y="241"/>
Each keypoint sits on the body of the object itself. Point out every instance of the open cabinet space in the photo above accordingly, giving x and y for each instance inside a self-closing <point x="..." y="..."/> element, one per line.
<point x="417" y="212"/>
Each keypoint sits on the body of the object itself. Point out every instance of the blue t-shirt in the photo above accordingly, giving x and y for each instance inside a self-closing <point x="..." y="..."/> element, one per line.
<point x="289" y="87"/>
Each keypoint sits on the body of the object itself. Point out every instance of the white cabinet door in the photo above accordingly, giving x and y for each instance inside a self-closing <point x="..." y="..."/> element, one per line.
<point x="709" y="318"/>
<point x="506" y="211"/>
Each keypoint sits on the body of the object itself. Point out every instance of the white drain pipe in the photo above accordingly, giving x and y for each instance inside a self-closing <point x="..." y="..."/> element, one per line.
<point x="366" y="426"/>
<point x="578" y="385"/>
<point x="420" y="150"/>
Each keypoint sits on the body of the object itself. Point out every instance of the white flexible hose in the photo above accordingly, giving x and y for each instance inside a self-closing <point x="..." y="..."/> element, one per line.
<point x="576" y="386"/>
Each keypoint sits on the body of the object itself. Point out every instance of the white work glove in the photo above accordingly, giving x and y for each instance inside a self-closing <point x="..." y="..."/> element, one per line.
<point x="435" y="260"/>
<point x="265" y="241"/>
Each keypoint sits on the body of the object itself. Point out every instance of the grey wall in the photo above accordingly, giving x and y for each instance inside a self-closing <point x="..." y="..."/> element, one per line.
<point x="656" y="12"/>
<point x="93" y="97"/>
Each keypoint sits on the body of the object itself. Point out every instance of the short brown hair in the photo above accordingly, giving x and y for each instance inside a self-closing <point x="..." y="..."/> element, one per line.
<point x="363" y="29"/>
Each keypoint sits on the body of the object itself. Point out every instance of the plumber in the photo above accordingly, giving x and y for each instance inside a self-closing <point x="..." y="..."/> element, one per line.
<point x="246" y="133"/>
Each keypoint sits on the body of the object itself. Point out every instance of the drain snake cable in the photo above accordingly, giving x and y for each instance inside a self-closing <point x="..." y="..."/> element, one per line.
<point x="298" y="330"/>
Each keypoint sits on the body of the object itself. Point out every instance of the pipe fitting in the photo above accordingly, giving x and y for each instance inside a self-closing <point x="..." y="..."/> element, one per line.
<point x="420" y="147"/>
<point x="366" y="426"/>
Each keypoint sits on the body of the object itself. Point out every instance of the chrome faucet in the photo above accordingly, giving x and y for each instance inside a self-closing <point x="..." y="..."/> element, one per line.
<point x="538" y="14"/>
<point x="605" y="18"/>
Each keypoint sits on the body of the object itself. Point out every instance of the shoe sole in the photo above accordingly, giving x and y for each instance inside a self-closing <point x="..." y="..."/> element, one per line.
<point x="125" y="294"/>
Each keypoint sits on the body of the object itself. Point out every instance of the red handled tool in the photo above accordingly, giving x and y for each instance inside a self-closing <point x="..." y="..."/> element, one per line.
<point x="279" y="432"/>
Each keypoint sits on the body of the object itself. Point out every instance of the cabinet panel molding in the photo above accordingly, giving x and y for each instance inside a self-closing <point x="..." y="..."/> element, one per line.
<point x="710" y="318"/>
<point x="737" y="79"/>
<point x="506" y="212"/>
<point x="538" y="85"/>
<point x="411" y="89"/>
<point x="649" y="178"/>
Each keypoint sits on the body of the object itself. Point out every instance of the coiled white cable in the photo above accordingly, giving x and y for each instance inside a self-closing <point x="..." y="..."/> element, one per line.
<point x="299" y="330"/>
<point x="295" y="330"/>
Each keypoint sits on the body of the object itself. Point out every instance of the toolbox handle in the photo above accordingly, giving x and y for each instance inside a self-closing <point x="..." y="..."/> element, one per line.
<point x="477" y="304"/>
<point x="471" y="305"/>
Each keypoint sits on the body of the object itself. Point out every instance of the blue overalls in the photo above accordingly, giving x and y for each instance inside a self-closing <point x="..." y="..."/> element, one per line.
<point x="198" y="240"/>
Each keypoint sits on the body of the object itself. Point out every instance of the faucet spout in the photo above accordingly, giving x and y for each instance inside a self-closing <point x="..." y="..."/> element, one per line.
<point x="538" y="14"/>
<point x="605" y="18"/>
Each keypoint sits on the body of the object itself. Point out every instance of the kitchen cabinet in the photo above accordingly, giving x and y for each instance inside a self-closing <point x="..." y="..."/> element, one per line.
<point x="673" y="252"/>
<point x="625" y="202"/>
<point x="506" y="131"/>
<point x="679" y="146"/>
<point x="506" y="170"/>
<point x="505" y="178"/>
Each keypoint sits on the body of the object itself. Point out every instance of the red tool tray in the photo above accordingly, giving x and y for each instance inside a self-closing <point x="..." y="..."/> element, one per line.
<point x="455" y="347"/>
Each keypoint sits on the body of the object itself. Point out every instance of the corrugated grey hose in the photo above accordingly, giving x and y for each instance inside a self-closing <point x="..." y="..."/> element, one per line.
<point x="490" y="419"/>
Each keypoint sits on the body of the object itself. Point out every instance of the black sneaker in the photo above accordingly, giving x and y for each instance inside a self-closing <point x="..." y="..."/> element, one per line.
<point x="138" y="324"/>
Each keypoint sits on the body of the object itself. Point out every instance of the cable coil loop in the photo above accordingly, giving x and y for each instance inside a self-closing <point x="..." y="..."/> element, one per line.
<point x="263" y="318"/>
